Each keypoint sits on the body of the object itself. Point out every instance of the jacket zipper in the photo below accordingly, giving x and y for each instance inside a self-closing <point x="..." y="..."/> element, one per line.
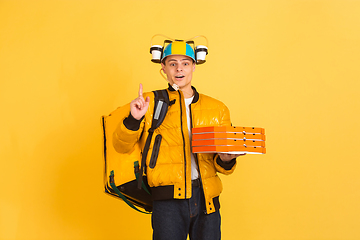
<point x="195" y="155"/>
<point x="182" y="133"/>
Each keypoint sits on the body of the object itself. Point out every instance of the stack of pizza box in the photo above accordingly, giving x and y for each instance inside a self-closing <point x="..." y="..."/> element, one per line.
<point x="229" y="139"/>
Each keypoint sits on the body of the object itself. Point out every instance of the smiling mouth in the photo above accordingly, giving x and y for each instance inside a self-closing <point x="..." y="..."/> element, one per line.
<point x="179" y="77"/>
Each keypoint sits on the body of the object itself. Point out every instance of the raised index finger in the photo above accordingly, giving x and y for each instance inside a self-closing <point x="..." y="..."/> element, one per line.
<point x="141" y="90"/>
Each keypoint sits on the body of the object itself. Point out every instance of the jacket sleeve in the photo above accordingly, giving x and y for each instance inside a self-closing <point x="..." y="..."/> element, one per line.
<point x="224" y="167"/>
<point x="127" y="133"/>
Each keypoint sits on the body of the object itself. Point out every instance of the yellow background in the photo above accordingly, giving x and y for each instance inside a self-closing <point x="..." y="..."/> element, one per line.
<point x="291" y="67"/>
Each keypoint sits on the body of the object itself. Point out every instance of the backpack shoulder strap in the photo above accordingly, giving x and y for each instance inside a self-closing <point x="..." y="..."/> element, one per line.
<point x="160" y="109"/>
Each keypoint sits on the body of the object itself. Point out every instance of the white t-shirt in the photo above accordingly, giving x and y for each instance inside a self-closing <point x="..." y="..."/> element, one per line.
<point x="194" y="167"/>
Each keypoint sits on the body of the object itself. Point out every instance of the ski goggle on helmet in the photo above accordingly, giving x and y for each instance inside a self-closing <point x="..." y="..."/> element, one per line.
<point x="179" y="47"/>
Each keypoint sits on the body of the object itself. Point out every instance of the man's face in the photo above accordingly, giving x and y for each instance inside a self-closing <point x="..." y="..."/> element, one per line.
<point x="179" y="70"/>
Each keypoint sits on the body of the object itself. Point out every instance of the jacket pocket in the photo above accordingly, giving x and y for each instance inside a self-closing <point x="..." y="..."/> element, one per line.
<point x="155" y="151"/>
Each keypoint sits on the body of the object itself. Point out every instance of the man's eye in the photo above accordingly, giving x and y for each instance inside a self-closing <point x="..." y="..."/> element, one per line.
<point x="173" y="64"/>
<point x="186" y="64"/>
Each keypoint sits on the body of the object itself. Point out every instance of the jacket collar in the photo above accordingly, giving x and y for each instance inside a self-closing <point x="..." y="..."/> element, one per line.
<point x="196" y="94"/>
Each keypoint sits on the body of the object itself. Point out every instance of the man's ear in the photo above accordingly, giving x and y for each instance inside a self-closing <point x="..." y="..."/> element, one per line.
<point x="163" y="67"/>
<point x="194" y="67"/>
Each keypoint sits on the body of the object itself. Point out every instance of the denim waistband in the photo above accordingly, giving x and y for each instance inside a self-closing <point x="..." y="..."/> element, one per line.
<point x="196" y="182"/>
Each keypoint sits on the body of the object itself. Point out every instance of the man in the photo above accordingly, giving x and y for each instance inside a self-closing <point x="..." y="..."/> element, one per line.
<point x="185" y="187"/>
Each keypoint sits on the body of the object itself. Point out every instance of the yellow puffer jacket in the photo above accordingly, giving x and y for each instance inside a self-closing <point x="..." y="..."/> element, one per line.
<point x="169" y="161"/>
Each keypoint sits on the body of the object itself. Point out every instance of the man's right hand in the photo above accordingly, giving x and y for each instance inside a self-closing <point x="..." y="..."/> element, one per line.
<point x="139" y="106"/>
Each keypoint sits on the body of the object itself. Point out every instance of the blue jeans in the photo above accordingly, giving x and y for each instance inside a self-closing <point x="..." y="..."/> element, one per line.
<point x="175" y="219"/>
